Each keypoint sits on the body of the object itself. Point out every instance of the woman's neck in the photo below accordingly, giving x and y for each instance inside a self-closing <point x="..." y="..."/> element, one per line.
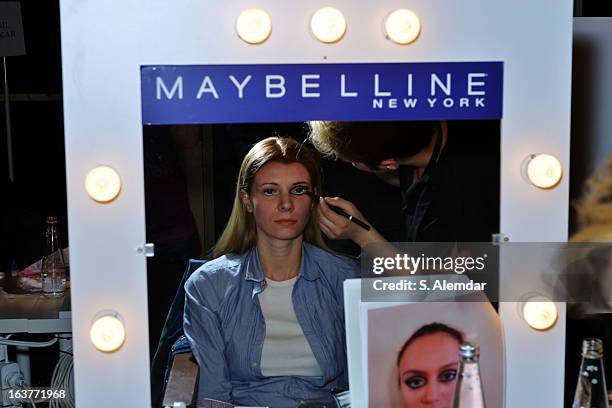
<point x="280" y="259"/>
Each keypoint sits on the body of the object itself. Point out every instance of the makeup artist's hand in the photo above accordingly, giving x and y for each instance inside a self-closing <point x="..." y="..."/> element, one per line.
<point x="335" y="226"/>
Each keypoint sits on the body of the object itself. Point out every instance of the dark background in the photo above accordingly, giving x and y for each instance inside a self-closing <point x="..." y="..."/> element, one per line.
<point x="39" y="165"/>
<point x="37" y="135"/>
<point x="35" y="85"/>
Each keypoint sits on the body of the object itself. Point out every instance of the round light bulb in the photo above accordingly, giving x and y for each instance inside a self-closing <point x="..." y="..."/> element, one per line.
<point x="402" y="26"/>
<point x="328" y="24"/>
<point x="107" y="332"/>
<point x="544" y="170"/>
<point x="539" y="312"/>
<point x="254" y="26"/>
<point x="103" y="184"/>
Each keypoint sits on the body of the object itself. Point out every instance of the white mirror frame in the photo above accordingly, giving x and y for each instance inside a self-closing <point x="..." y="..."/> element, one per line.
<point x="104" y="44"/>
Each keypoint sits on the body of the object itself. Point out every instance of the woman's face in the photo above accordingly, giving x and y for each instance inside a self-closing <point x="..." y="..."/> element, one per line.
<point x="280" y="200"/>
<point x="427" y="371"/>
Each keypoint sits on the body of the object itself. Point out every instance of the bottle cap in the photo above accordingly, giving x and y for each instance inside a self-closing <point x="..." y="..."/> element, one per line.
<point x="51" y="219"/>
<point x="469" y="351"/>
<point x="592" y="348"/>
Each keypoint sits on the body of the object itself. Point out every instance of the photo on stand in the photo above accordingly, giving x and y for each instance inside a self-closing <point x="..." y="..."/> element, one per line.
<point x="413" y="353"/>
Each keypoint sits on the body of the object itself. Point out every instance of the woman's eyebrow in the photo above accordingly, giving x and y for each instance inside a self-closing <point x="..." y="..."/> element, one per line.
<point x="449" y="365"/>
<point x="412" y="371"/>
<point x="297" y="183"/>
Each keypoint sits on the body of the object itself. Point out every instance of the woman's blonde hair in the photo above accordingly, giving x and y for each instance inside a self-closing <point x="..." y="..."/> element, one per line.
<point x="240" y="233"/>
<point x="594" y="213"/>
<point x="594" y="209"/>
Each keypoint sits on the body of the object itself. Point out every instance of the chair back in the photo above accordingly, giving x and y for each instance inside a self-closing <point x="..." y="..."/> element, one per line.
<point x="171" y="334"/>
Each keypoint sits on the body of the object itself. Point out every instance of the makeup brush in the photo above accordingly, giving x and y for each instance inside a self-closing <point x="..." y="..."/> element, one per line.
<point x="343" y="213"/>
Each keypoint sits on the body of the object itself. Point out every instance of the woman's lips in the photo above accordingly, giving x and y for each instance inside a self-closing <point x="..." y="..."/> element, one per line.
<point x="286" y="222"/>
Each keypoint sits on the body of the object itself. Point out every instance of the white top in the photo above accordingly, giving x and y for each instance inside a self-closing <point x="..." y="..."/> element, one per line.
<point x="285" y="350"/>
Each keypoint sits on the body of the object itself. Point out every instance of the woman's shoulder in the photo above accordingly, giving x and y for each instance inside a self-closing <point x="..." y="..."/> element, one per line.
<point x="223" y="263"/>
<point x="222" y="269"/>
<point x="210" y="283"/>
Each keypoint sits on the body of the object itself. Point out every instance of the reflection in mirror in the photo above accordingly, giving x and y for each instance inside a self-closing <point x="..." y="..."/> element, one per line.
<point x="190" y="180"/>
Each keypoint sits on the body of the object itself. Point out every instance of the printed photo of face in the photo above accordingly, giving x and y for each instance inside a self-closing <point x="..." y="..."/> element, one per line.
<point x="280" y="200"/>
<point x="428" y="370"/>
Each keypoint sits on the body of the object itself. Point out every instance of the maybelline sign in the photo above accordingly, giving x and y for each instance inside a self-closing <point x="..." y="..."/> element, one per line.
<point x="300" y="92"/>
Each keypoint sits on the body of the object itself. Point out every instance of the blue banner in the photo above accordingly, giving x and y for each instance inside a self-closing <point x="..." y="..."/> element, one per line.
<point x="182" y="94"/>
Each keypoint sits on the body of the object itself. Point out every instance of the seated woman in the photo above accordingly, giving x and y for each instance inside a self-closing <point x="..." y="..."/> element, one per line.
<point x="265" y="319"/>
<point x="427" y="365"/>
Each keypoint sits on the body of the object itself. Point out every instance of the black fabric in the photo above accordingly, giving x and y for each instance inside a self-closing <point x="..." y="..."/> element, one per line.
<point x="457" y="199"/>
<point x="417" y="196"/>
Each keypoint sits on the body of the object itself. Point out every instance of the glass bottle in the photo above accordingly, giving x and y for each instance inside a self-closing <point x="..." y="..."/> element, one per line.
<point x="591" y="388"/>
<point x="468" y="388"/>
<point x="53" y="269"/>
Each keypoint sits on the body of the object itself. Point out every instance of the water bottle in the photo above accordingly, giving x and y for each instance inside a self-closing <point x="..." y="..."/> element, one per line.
<point x="468" y="388"/>
<point x="53" y="269"/>
<point x="591" y="388"/>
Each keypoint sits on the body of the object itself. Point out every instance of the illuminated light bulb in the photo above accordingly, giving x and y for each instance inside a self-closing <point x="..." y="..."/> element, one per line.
<point x="254" y="26"/>
<point x="107" y="333"/>
<point x="539" y="312"/>
<point x="543" y="170"/>
<point x="103" y="184"/>
<point x="402" y="26"/>
<point x="328" y="24"/>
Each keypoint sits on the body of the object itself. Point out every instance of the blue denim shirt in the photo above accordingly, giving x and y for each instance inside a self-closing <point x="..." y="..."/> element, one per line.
<point x="226" y="329"/>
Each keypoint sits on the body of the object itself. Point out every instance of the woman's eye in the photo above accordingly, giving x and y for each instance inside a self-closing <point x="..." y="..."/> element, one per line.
<point x="448" y="375"/>
<point x="300" y="190"/>
<point x="269" y="191"/>
<point x="415" y="382"/>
